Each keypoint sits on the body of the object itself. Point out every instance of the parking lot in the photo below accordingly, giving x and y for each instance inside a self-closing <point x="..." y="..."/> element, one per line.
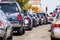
<point x="38" y="33"/>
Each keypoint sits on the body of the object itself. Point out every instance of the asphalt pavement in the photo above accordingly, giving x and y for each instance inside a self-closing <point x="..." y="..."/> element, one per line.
<point x="38" y="33"/>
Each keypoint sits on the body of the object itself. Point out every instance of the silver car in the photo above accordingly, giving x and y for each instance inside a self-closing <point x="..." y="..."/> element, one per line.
<point x="13" y="12"/>
<point x="27" y="21"/>
<point x="55" y="27"/>
<point x="5" y="28"/>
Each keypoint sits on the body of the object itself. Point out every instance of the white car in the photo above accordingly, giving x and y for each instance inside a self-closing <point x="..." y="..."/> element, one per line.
<point x="27" y="21"/>
<point x="50" y="18"/>
<point x="55" y="27"/>
<point x="5" y="28"/>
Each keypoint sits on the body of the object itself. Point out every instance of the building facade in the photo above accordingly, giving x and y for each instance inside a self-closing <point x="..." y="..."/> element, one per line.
<point x="35" y="3"/>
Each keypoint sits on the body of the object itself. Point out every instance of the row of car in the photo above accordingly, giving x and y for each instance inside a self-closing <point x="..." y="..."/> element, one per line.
<point x="13" y="19"/>
<point x="33" y="20"/>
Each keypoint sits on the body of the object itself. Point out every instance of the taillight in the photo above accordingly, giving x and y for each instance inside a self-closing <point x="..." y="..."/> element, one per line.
<point x="53" y="15"/>
<point x="19" y="17"/>
<point x="56" y="25"/>
<point x="0" y="23"/>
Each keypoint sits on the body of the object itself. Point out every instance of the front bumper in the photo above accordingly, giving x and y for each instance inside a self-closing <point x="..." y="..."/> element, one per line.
<point x="56" y="33"/>
<point x="17" y="26"/>
<point x="27" y="26"/>
<point x="50" y="20"/>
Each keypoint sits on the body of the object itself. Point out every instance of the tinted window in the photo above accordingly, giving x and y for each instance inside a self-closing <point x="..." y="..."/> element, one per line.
<point x="41" y="16"/>
<point x="9" y="7"/>
<point x="34" y="15"/>
<point x="37" y="15"/>
<point x="30" y="15"/>
<point x="25" y="14"/>
<point x="58" y="16"/>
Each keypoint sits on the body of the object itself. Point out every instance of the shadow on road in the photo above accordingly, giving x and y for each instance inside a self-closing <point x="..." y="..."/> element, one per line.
<point x="55" y="39"/>
<point x="17" y="34"/>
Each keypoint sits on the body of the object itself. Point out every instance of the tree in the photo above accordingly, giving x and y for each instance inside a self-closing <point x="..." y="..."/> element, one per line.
<point x="22" y="2"/>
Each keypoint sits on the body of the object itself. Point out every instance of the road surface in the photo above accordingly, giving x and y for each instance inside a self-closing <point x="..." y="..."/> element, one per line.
<point x="38" y="33"/>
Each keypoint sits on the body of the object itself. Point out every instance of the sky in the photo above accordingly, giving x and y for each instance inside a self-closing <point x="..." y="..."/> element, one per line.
<point x="51" y="4"/>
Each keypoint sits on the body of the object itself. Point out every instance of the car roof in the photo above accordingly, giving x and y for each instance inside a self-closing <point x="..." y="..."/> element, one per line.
<point x="8" y="2"/>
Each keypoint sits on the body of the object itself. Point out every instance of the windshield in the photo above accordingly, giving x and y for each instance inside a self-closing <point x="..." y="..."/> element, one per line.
<point x="58" y="16"/>
<point x="25" y="14"/>
<point x="34" y="15"/>
<point x="37" y="15"/>
<point x="9" y="7"/>
<point x="30" y="15"/>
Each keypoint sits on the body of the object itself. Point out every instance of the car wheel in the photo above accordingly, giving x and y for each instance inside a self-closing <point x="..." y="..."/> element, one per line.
<point x="34" y="24"/>
<point x="46" y="21"/>
<point x="40" y="22"/>
<point x="10" y="38"/>
<point x="53" y="38"/>
<point x="31" y="28"/>
<point x="1" y="38"/>
<point x="21" y="31"/>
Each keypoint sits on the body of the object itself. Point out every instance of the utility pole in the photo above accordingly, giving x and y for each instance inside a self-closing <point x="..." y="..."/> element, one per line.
<point x="46" y="9"/>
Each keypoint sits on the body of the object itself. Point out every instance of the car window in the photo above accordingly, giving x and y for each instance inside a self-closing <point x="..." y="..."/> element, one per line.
<point x="41" y="16"/>
<point x="25" y="14"/>
<point x="34" y="15"/>
<point x="44" y="14"/>
<point x="38" y="15"/>
<point x="58" y="16"/>
<point x="9" y="7"/>
<point x="30" y="15"/>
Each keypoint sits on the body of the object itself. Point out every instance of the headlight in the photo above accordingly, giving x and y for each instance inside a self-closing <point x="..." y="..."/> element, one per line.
<point x="26" y="21"/>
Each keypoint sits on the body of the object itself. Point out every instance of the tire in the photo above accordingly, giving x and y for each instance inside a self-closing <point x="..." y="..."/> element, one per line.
<point x="40" y="23"/>
<point x="1" y="38"/>
<point x="21" y="31"/>
<point x="46" y="21"/>
<point x="53" y="38"/>
<point x="10" y="38"/>
<point x="34" y="24"/>
<point x="31" y="28"/>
